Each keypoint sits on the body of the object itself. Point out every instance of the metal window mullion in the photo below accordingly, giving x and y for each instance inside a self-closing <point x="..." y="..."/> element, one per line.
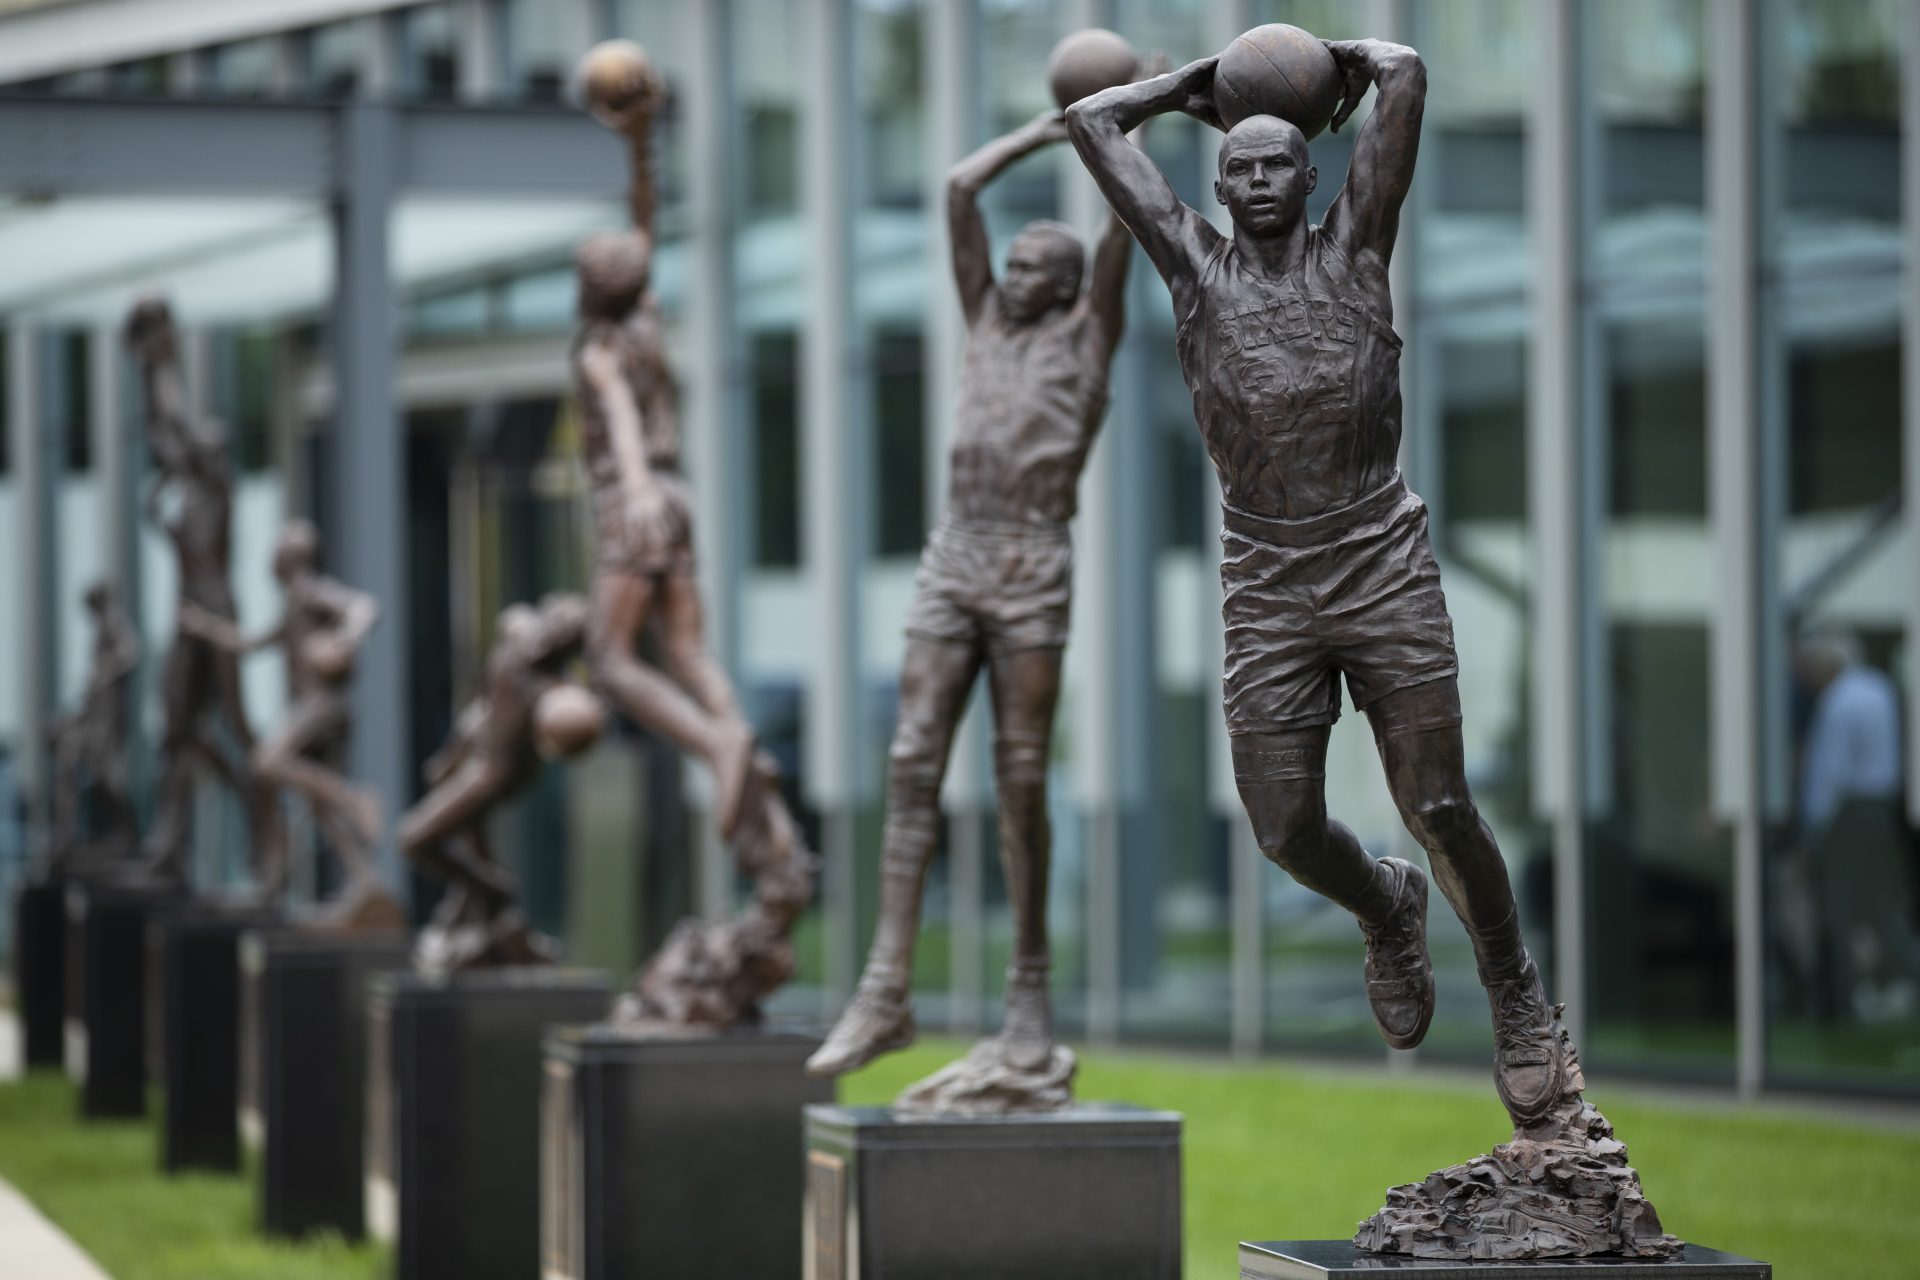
<point x="950" y="52"/>
<point x="27" y="447"/>
<point x="1734" y="493"/>
<point x="830" y="463"/>
<point x="481" y="70"/>
<point x="368" y="454"/>
<point x="712" y="402"/>
<point x="1910" y="348"/>
<point x="1554" y="489"/>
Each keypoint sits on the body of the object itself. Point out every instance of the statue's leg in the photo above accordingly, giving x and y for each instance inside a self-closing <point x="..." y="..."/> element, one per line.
<point x="67" y="758"/>
<point x="1418" y="731"/>
<point x="225" y="674"/>
<point x="1025" y="685"/>
<point x="173" y="804"/>
<point x="934" y="682"/>
<point x="294" y="758"/>
<point x="683" y="646"/>
<point x="621" y="605"/>
<point x="441" y="834"/>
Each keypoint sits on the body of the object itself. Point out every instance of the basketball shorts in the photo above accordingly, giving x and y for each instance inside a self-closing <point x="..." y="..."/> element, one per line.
<point x="623" y="549"/>
<point x="1008" y="587"/>
<point x="1353" y="592"/>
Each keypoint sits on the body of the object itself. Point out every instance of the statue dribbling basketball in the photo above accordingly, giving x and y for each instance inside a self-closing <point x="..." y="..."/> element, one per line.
<point x="1284" y="332"/>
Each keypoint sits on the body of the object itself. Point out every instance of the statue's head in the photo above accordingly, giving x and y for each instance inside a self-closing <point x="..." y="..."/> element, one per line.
<point x="297" y="551"/>
<point x="99" y="598"/>
<point x="614" y="268"/>
<point x="1264" y="175"/>
<point x="563" y="618"/>
<point x="149" y="329"/>
<point x="1044" y="266"/>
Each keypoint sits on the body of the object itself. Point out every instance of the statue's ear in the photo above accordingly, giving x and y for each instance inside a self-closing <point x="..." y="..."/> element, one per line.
<point x="1313" y="179"/>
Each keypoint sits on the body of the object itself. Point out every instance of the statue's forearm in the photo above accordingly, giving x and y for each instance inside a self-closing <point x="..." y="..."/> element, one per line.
<point x="987" y="163"/>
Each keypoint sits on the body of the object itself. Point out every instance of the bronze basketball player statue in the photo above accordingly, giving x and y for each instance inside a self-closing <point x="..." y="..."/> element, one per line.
<point x="191" y="500"/>
<point x="1284" y="331"/>
<point x="89" y="746"/>
<point x="709" y="973"/>
<point x="527" y="709"/>
<point x="992" y="594"/>
<point x="320" y="631"/>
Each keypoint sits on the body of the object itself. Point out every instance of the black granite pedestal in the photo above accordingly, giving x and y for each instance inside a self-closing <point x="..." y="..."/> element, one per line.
<point x="453" y="1115"/>
<point x="674" y="1155"/>
<point x="1092" y="1191"/>
<point x="40" y="971"/>
<point x="196" y="952"/>
<point x="303" y="1072"/>
<point x="107" y="993"/>
<point x="1341" y="1260"/>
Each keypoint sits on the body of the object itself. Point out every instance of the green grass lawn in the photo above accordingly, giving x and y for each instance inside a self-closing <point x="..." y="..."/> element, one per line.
<point x="100" y="1181"/>
<point x="1272" y="1151"/>
<point x="1280" y="1152"/>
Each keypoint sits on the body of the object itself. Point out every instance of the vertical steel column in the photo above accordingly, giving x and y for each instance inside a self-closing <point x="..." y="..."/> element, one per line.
<point x="115" y="460"/>
<point x="1096" y="651"/>
<point x="832" y="461"/>
<point x="476" y="40"/>
<point x="33" y="555"/>
<point x="1910" y="380"/>
<point x="713" y="417"/>
<point x="1735" y="503"/>
<point x="1556" y="518"/>
<point x="950" y="51"/>
<point x="368" y="455"/>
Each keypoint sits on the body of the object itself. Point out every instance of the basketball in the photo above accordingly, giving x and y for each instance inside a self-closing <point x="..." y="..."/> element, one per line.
<point x="328" y="657"/>
<point x="1277" y="70"/>
<point x="1088" y="61"/>
<point x="616" y="79"/>
<point x="566" y="721"/>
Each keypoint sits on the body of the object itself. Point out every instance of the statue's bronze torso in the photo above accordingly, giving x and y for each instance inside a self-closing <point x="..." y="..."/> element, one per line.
<point x="1296" y="382"/>
<point x="1031" y="396"/>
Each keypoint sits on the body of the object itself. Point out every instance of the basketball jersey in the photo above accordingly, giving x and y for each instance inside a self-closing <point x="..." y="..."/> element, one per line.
<point x="1295" y="382"/>
<point x="1031" y="397"/>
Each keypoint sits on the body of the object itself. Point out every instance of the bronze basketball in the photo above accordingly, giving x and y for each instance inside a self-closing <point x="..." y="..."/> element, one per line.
<point x="617" y="78"/>
<point x="327" y="657"/>
<point x="566" y="721"/>
<point x="1277" y="70"/>
<point x="1088" y="61"/>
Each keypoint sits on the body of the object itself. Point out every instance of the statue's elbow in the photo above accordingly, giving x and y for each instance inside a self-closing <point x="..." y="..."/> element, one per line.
<point x="1403" y="68"/>
<point x="1082" y="122"/>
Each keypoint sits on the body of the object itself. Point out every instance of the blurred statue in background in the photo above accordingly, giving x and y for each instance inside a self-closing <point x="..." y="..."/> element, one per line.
<point x="89" y="749"/>
<point x="191" y="501"/>
<point x="529" y="709"/>
<point x="992" y="595"/>
<point x="320" y="631"/>
<point x="708" y="973"/>
<point x="1285" y="337"/>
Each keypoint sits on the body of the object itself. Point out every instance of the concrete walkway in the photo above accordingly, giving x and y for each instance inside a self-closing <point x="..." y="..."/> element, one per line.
<point x="31" y="1248"/>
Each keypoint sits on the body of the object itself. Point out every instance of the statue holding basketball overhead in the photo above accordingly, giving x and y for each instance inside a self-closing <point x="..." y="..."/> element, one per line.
<point x="1284" y="331"/>
<point x="528" y="710"/>
<point x="709" y="973"/>
<point x="89" y="747"/>
<point x="322" y="626"/>
<point x="992" y="596"/>
<point x="191" y="500"/>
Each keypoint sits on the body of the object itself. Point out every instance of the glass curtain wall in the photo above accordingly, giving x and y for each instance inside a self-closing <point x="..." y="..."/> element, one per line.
<point x="1843" y="946"/>
<point x="1659" y="868"/>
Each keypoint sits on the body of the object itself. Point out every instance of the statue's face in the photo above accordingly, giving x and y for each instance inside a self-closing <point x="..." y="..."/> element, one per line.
<point x="1042" y="270"/>
<point x="1264" y="176"/>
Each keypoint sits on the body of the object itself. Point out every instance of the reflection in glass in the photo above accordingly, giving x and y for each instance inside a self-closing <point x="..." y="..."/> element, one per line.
<point x="1844" y="908"/>
<point x="429" y="69"/>
<point x="1648" y="71"/>
<point x="1659" y="869"/>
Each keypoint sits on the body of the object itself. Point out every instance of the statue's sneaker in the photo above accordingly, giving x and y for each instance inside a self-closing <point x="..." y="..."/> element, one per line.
<point x="1529" y="1068"/>
<point x="1026" y="1032"/>
<point x="1399" y="971"/>
<point x="876" y="1021"/>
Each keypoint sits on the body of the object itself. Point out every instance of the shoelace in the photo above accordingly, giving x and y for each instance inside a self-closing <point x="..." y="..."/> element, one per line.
<point x="1520" y="1014"/>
